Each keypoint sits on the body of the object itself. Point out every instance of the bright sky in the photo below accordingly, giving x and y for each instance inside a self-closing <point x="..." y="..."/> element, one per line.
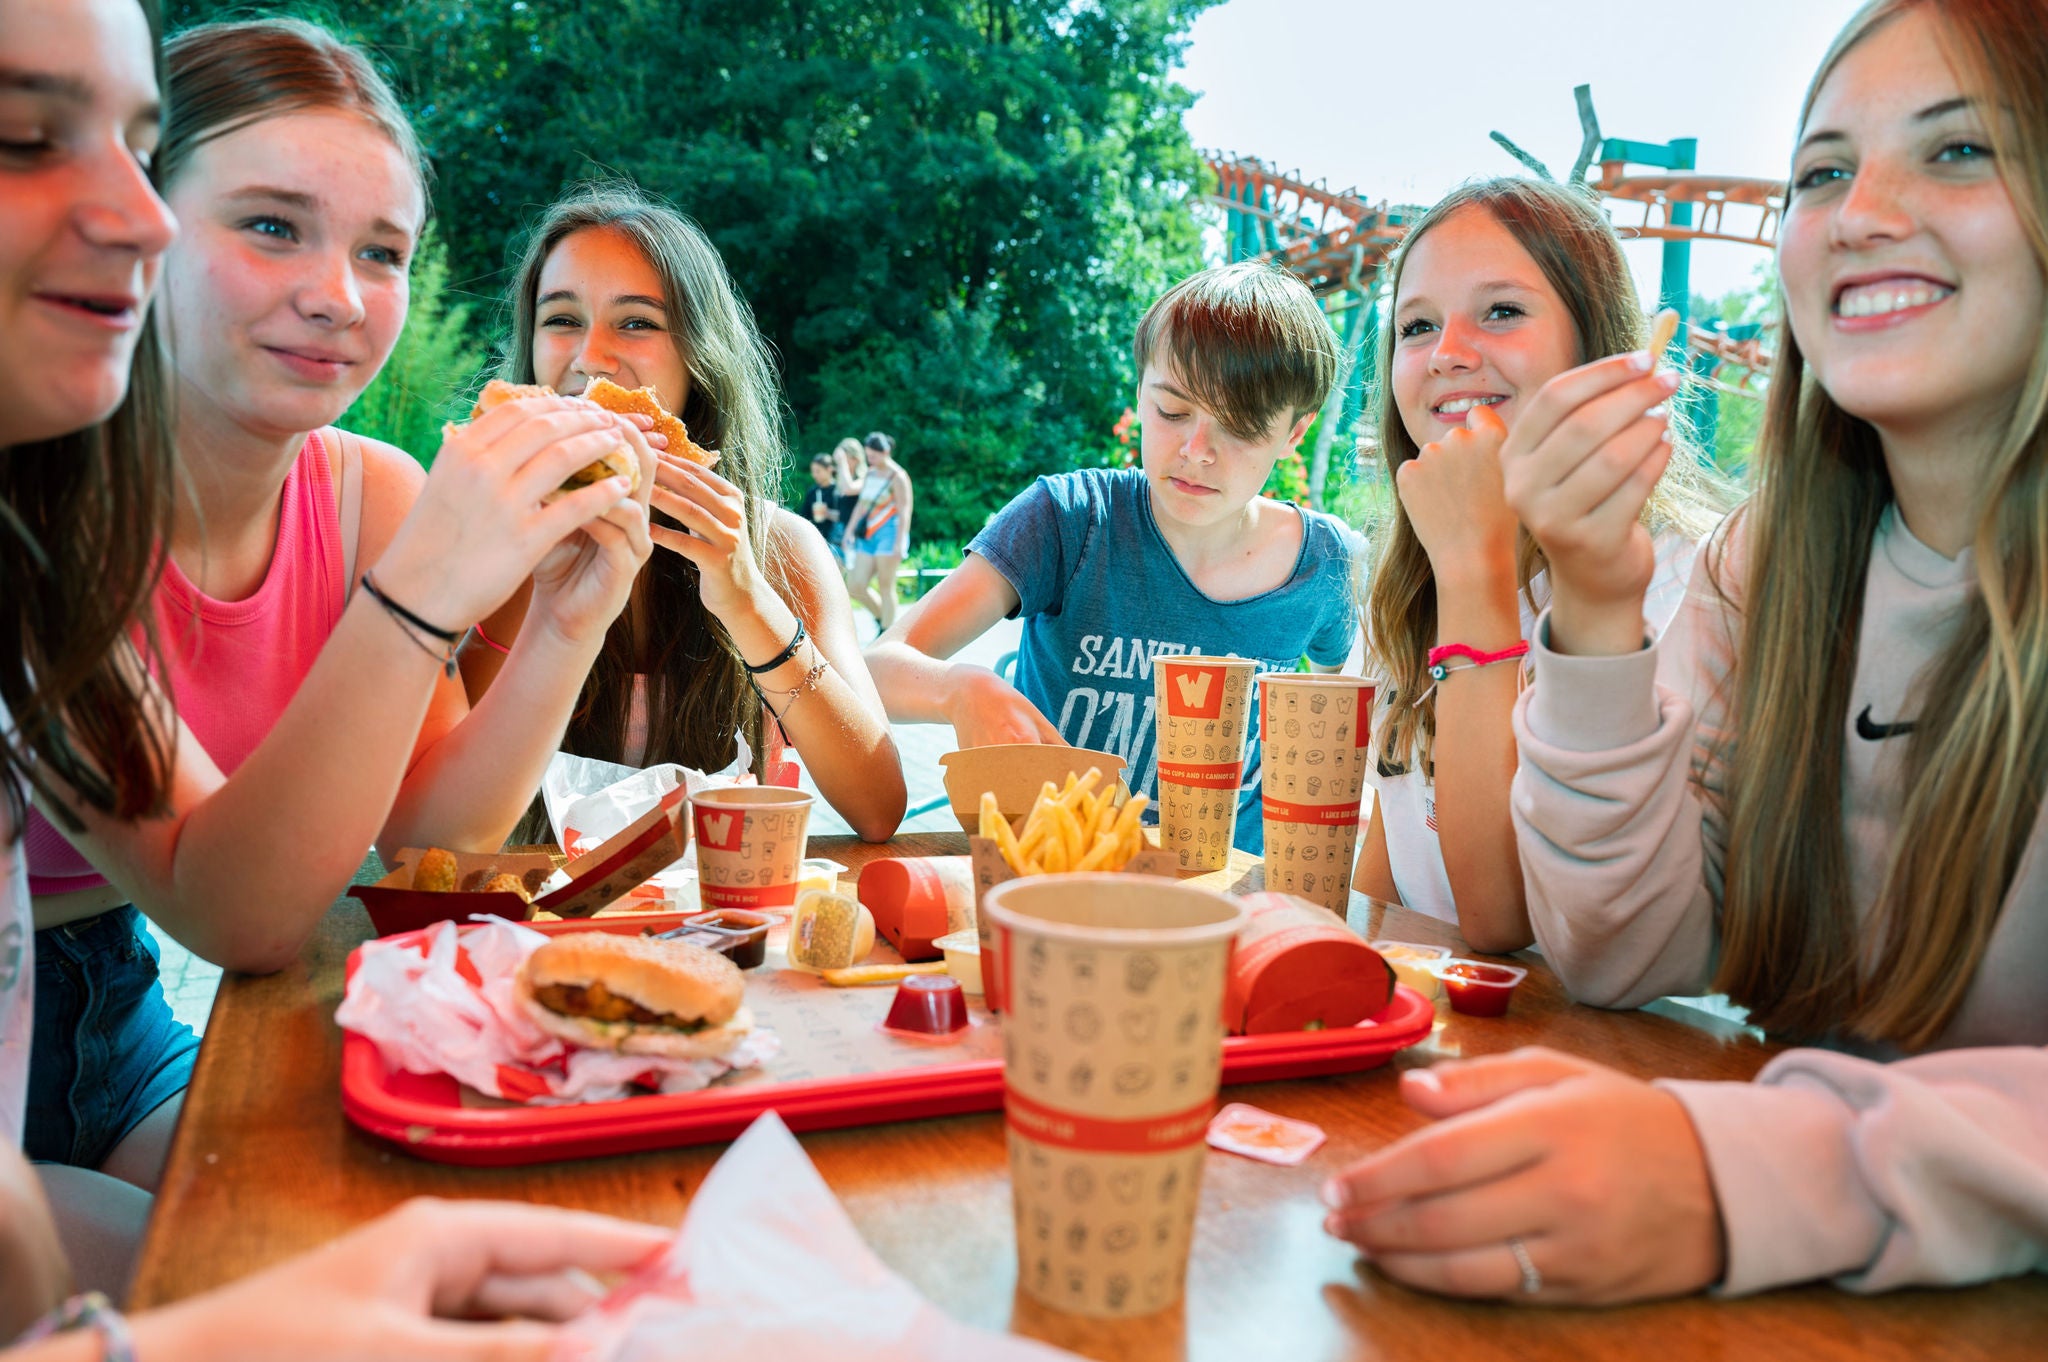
<point x="1398" y="98"/>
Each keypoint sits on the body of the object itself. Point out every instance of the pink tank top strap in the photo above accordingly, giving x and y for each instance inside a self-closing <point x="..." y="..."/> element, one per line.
<point x="233" y="666"/>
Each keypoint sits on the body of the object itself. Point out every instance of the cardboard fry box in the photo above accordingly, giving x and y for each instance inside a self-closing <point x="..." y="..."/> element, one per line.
<point x="1014" y="773"/>
<point x="990" y="870"/>
<point x="647" y="846"/>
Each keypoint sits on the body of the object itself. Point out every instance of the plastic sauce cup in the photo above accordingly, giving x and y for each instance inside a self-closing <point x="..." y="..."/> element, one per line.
<point x="1414" y="964"/>
<point x="928" y="1005"/>
<point x="963" y="958"/>
<point x="1478" y="989"/>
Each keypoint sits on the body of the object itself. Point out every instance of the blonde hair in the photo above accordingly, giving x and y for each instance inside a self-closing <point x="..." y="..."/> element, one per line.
<point x="1791" y="947"/>
<point x="1565" y="234"/>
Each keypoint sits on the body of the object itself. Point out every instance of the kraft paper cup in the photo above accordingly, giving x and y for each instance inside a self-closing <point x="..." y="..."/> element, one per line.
<point x="1314" y="735"/>
<point x="750" y="845"/>
<point x="1203" y="704"/>
<point x="1112" y="1051"/>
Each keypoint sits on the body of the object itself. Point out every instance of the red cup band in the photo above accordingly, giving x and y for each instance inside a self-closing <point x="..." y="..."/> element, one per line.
<point x="750" y="896"/>
<point x="1093" y="1135"/>
<point x="1321" y="815"/>
<point x="1222" y="775"/>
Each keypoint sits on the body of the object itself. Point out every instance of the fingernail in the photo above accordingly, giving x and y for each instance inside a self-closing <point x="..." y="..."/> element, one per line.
<point x="1336" y="1195"/>
<point x="1426" y="1079"/>
<point x="1669" y="379"/>
<point x="1333" y="1227"/>
<point x="1658" y="412"/>
<point x="1639" y="360"/>
<point x="623" y="486"/>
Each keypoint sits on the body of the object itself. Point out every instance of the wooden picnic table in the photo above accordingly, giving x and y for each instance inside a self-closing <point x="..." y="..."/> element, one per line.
<point x="264" y="1166"/>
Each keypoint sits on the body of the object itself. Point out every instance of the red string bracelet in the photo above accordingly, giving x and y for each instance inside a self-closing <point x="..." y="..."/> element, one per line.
<point x="488" y="641"/>
<point x="1441" y="660"/>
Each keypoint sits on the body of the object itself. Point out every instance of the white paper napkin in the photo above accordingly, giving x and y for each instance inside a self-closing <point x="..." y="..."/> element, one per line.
<point x="767" y="1266"/>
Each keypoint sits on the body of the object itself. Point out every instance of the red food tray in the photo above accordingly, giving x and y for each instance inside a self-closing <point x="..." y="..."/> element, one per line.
<point x="425" y="1113"/>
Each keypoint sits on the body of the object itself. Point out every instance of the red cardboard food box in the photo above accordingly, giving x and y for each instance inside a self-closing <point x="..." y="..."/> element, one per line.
<point x="622" y="863"/>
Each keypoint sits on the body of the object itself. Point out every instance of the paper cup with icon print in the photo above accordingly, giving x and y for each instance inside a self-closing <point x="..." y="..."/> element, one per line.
<point x="1203" y="704"/>
<point x="1112" y="1052"/>
<point x="750" y="845"/>
<point x="1313" y="738"/>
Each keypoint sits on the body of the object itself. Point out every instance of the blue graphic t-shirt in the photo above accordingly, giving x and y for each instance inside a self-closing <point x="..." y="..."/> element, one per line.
<point x="1102" y="595"/>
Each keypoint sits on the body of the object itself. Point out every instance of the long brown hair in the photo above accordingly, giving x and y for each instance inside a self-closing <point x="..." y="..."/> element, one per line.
<point x="699" y="696"/>
<point x="225" y="76"/>
<point x="1792" y="949"/>
<point x="83" y="521"/>
<point x="1565" y="234"/>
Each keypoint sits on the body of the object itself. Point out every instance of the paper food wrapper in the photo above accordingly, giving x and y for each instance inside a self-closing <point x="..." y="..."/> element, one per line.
<point x="1014" y="773"/>
<point x="588" y="801"/>
<point x="448" y="1008"/>
<point x="767" y="1265"/>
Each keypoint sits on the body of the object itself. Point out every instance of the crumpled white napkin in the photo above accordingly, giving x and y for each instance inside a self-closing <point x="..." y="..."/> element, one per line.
<point x="451" y="1010"/>
<point x="767" y="1265"/>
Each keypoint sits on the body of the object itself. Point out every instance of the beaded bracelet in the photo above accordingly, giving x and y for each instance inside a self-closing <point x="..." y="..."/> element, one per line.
<point x="94" y="1311"/>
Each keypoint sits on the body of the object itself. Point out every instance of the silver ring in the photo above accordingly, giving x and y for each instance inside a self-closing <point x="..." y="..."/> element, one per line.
<point x="1532" y="1280"/>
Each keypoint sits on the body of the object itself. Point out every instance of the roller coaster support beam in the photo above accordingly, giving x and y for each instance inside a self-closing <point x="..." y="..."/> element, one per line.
<point x="1674" y="283"/>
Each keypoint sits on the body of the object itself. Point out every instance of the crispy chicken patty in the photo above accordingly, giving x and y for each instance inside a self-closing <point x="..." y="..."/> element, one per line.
<point x="600" y="1004"/>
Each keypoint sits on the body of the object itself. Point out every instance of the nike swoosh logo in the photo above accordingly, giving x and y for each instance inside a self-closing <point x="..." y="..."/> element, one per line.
<point x="1875" y="732"/>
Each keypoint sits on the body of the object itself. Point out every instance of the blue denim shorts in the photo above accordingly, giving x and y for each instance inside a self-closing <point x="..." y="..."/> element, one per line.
<point x="886" y="542"/>
<point x="107" y="1049"/>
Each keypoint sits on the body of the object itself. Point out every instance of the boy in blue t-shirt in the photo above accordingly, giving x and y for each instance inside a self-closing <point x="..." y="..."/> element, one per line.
<point x="1113" y="567"/>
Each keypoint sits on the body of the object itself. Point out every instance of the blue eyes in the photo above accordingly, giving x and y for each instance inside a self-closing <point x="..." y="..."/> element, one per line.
<point x="282" y="231"/>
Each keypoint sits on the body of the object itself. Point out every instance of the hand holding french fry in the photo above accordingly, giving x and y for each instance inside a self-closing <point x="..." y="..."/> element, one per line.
<point x="1077" y="828"/>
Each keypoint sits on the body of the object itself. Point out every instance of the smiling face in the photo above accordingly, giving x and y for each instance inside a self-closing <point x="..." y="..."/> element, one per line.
<point x="601" y="314"/>
<point x="82" y="234"/>
<point x="288" y="289"/>
<point x="1476" y="323"/>
<point x="1199" y="473"/>
<point x="1909" y="282"/>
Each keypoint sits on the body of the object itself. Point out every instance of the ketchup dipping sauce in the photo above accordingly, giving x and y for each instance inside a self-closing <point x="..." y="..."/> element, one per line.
<point x="1478" y="989"/>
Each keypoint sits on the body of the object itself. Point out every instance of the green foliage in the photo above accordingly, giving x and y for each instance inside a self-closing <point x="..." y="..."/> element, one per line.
<point x="427" y="380"/>
<point x="948" y="215"/>
<point x="1739" y="415"/>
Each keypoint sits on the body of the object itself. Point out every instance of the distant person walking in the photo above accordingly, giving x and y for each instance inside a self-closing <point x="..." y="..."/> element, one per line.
<point x="826" y="506"/>
<point x="878" y="531"/>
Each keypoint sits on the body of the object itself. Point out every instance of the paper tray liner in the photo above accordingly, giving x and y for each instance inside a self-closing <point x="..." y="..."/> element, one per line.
<point x="836" y="1069"/>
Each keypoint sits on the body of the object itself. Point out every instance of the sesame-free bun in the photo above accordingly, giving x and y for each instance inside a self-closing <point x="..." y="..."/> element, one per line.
<point x="672" y="978"/>
<point x="619" y="463"/>
<point x="645" y="402"/>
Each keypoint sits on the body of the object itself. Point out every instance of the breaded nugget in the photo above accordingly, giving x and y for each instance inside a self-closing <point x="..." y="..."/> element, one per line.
<point x="435" y="872"/>
<point x="612" y="397"/>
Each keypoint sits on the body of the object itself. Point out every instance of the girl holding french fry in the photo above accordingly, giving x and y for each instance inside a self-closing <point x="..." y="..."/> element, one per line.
<point x="1502" y="286"/>
<point x="1821" y="791"/>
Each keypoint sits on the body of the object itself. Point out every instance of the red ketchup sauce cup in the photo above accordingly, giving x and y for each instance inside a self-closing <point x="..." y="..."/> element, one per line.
<point x="928" y="1005"/>
<point x="1478" y="989"/>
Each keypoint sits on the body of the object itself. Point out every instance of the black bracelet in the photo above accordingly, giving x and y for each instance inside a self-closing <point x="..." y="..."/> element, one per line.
<point x="449" y="636"/>
<point x="785" y="655"/>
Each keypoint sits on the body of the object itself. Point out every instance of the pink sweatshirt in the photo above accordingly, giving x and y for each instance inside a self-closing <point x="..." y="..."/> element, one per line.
<point x="235" y="665"/>
<point x="1877" y="1174"/>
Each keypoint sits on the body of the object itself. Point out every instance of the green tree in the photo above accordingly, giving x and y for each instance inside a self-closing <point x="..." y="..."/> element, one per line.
<point x="427" y="380"/>
<point x="947" y="215"/>
<point x="1739" y="411"/>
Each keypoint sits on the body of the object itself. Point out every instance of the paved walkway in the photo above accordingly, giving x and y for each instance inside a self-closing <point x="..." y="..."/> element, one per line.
<point x="190" y="982"/>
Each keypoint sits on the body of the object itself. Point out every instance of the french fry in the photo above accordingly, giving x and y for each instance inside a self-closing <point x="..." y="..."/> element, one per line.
<point x="1006" y="841"/>
<point x="1054" y="855"/>
<point x="991" y="813"/>
<point x="1069" y="831"/>
<point x="1127" y="819"/>
<point x="1662" y="328"/>
<point x="1100" y="855"/>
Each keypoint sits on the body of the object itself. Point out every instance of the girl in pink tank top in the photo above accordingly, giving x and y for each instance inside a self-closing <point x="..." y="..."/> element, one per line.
<point x="313" y="719"/>
<point x="266" y="643"/>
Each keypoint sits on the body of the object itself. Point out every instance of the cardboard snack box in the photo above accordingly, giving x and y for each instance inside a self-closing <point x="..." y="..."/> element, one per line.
<point x="1014" y="773"/>
<point x="649" y="845"/>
